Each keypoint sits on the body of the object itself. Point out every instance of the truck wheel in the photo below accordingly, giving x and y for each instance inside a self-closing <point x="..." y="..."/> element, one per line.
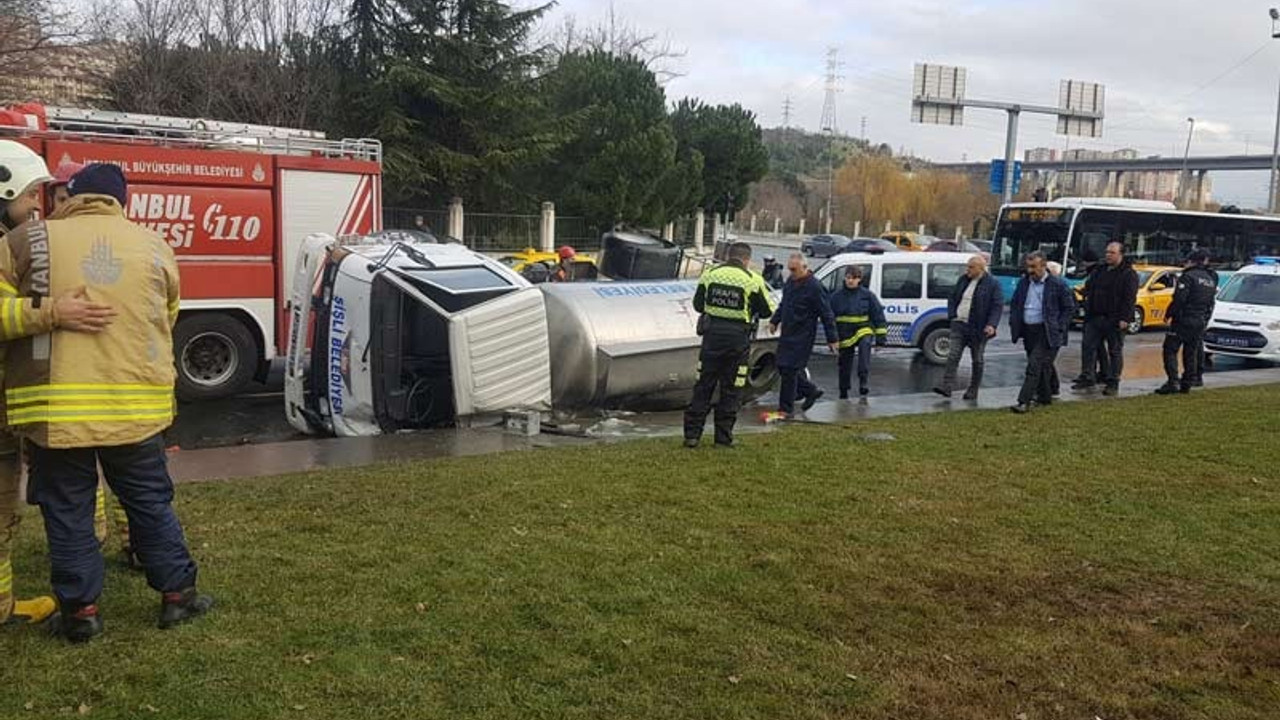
<point x="215" y="355"/>
<point x="937" y="345"/>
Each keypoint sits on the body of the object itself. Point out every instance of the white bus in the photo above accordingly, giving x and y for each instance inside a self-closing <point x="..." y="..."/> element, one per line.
<point x="1073" y="231"/>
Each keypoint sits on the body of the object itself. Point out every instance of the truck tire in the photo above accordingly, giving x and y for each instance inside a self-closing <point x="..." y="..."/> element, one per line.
<point x="937" y="345"/>
<point x="215" y="354"/>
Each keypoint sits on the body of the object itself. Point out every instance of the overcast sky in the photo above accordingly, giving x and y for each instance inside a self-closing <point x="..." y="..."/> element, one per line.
<point x="1161" y="61"/>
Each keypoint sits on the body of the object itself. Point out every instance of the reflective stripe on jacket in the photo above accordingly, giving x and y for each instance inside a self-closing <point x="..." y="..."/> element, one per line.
<point x="859" y="315"/>
<point x="66" y="389"/>
<point x="732" y="292"/>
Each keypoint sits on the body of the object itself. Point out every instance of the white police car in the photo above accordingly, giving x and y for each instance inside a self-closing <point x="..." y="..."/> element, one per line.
<point x="1246" y="319"/>
<point x="914" y="288"/>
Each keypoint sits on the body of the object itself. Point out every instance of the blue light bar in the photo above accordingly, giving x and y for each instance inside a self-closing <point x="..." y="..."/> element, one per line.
<point x="1267" y="260"/>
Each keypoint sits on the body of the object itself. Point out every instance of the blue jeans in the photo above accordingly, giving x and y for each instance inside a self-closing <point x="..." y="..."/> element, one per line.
<point x="64" y="483"/>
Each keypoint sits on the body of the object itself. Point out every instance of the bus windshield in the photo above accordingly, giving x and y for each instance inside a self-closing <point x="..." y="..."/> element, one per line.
<point x="1025" y="230"/>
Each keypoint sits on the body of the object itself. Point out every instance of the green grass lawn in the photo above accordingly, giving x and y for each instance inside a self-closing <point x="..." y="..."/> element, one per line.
<point x="1115" y="560"/>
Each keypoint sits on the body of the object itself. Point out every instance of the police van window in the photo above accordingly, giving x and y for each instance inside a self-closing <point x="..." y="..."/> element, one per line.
<point x="943" y="279"/>
<point x="835" y="280"/>
<point x="901" y="282"/>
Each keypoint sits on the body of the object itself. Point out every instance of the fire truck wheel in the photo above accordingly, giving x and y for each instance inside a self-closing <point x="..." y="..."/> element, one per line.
<point x="215" y="354"/>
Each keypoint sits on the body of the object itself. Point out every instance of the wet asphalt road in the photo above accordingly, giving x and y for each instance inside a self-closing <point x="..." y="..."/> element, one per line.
<point x="258" y="417"/>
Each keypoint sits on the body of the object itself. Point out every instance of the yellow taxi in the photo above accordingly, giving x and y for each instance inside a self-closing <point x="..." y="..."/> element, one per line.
<point x="538" y="266"/>
<point x="1156" y="284"/>
<point x="906" y="240"/>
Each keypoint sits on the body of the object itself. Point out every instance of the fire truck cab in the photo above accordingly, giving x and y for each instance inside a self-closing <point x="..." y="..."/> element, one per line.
<point x="235" y="202"/>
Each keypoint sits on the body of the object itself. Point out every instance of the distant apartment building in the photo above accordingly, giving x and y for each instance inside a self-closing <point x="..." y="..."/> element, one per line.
<point x="1136" y="185"/>
<point x="70" y="75"/>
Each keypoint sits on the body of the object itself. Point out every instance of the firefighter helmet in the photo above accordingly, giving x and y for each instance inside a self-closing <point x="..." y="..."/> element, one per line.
<point x="20" y="168"/>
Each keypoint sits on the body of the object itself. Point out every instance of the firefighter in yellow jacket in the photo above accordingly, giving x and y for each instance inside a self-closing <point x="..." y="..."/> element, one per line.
<point x="84" y="400"/>
<point x="22" y="172"/>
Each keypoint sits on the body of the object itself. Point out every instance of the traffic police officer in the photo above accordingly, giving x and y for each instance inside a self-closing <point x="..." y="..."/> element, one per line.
<point x="1188" y="316"/>
<point x="731" y="299"/>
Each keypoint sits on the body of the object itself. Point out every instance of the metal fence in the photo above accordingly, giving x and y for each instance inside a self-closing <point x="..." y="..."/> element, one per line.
<point x="498" y="232"/>
<point x="437" y="221"/>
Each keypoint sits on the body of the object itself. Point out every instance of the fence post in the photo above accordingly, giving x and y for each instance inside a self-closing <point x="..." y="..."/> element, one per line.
<point x="699" y="229"/>
<point x="548" y="234"/>
<point x="921" y="230"/>
<point x="717" y="229"/>
<point x="669" y="232"/>
<point x="827" y="224"/>
<point x="888" y="226"/>
<point x="857" y="228"/>
<point x="959" y="232"/>
<point x="456" y="216"/>
<point x="753" y="223"/>
<point x="777" y="226"/>
<point x="802" y="223"/>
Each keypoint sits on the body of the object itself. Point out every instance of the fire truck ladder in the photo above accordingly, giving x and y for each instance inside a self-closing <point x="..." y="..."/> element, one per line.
<point x="245" y="136"/>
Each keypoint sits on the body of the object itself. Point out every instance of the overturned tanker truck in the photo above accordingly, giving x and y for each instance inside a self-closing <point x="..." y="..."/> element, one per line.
<point x="388" y="337"/>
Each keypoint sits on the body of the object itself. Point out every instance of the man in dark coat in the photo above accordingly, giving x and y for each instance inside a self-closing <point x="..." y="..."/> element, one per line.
<point x="1110" y="295"/>
<point x="804" y="304"/>
<point x="1040" y="317"/>
<point x="974" y="310"/>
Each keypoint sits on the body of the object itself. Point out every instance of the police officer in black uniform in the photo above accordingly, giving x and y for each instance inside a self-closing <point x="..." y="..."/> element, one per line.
<point x="1188" y="316"/>
<point x="731" y="299"/>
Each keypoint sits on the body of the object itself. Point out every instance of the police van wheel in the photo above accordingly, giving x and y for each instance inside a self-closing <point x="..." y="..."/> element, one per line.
<point x="937" y="346"/>
<point x="215" y="355"/>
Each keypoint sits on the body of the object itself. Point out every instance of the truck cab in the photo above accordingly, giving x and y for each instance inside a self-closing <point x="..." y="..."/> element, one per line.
<point x="393" y="336"/>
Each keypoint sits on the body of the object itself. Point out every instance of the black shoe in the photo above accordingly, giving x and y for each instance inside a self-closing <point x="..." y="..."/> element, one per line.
<point x="1021" y="409"/>
<point x="1083" y="385"/>
<point x="1167" y="389"/>
<point x="812" y="400"/>
<point x="77" y="626"/>
<point x="1185" y="390"/>
<point x="692" y="443"/>
<point x="726" y="445"/>
<point x="1111" y="391"/>
<point x="864" y="391"/>
<point x="180" y="607"/>
<point x="844" y="394"/>
<point x="944" y="393"/>
<point x="971" y="395"/>
<point x="1046" y="402"/>
<point x="1197" y="383"/>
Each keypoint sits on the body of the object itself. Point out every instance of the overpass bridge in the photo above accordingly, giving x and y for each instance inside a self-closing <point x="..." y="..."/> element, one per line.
<point x="1116" y="168"/>
<point x="1202" y="164"/>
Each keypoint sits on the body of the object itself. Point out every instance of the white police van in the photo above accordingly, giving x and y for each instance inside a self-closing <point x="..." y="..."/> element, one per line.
<point x="1246" y="318"/>
<point x="913" y="287"/>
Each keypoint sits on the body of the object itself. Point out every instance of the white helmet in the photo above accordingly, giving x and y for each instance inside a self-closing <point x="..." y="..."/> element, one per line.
<point x="20" y="168"/>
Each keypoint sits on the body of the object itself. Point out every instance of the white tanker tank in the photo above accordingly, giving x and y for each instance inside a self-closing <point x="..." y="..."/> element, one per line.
<point x="633" y="346"/>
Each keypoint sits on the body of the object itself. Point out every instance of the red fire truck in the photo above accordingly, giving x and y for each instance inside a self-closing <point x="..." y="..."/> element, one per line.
<point x="235" y="202"/>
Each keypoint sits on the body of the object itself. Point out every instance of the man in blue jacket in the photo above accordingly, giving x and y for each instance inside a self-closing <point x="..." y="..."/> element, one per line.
<point x="1040" y="316"/>
<point x="859" y="321"/>
<point x="974" y="310"/>
<point x="804" y="303"/>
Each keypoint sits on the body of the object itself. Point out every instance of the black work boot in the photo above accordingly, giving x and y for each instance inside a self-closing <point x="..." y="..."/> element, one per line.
<point x="1169" y="388"/>
<point x="76" y="625"/>
<point x="180" y="607"/>
<point x="129" y="558"/>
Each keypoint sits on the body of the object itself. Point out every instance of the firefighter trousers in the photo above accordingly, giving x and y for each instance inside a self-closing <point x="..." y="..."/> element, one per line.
<point x="10" y="502"/>
<point x="722" y="364"/>
<point x="860" y="354"/>
<point x="64" y="484"/>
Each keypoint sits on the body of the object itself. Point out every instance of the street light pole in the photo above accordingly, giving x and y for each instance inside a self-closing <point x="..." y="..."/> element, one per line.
<point x="1186" y="158"/>
<point x="1275" y="148"/>
<point x="1011" y="153"/>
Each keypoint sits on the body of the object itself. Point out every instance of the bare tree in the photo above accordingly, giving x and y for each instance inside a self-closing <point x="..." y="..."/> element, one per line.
<point x="619" y="37"/>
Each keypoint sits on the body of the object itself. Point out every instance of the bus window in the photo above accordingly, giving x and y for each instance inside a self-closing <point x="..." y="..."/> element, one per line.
<point x="1023" y="230"/>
